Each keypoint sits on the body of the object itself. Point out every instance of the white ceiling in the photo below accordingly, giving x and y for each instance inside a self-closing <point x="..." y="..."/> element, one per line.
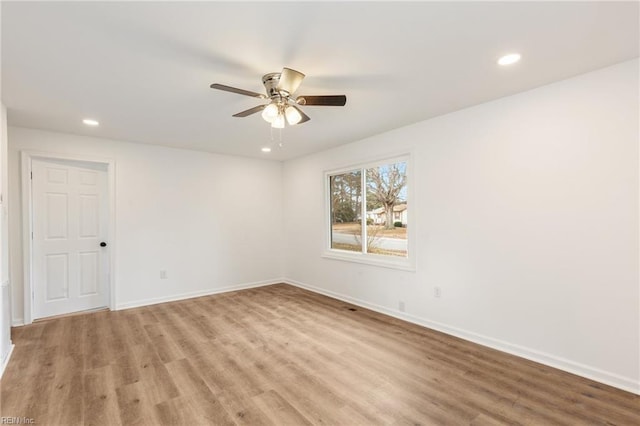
<point x="143" y="69"/>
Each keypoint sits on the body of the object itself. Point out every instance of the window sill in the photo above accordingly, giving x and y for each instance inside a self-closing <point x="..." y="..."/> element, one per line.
<point x="403" y="264"/>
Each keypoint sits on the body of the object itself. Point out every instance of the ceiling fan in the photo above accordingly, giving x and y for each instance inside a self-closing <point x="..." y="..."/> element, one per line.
<point x="283" y="105"/>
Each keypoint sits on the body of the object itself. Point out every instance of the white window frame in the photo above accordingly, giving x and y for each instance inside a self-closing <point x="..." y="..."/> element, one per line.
<point x="407" y="263"/>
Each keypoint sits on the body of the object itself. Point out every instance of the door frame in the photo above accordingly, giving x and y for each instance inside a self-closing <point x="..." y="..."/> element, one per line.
<point x="27" y="222"/>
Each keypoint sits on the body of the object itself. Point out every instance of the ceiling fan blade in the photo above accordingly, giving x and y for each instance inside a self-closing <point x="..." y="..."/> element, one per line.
<point x="238" y="91"/>
<point x="289" y="80"/>
<point x="250" y="111"/>
<point x="326" y="100"/>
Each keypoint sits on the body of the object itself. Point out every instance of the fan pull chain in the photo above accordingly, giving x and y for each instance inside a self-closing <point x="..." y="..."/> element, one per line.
<point x="279" y="137"/>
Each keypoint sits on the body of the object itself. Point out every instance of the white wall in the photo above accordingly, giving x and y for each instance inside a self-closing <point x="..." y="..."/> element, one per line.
<point x="526" y="215"/>
<point x="5" y="294"/>
<point x="211" y="221"/>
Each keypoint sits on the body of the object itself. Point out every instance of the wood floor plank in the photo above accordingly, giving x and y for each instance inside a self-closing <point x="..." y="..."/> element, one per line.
<point x="279" y="355"/>
<point x="65" y="404"/>
<point x="99" y="398"/>
<point x="244" y="410"/>
<point x="132" y="326"/>
<point x="279" y="410"/>
<point x="134" y="406"/>
<point x="176" y="412"/>
<point x="202" y="400"/>
<point x="125" y="368"/>
<point x="155" y="378"/>
<point x="95" y="348"/>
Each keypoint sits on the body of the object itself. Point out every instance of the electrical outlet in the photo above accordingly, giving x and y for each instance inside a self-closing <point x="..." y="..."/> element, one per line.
<point x="163" y="274"/>
<point x="401" y="305"/>
<point x="437" y="292"/>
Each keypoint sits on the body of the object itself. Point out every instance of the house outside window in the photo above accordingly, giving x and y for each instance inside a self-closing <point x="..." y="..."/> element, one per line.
<point x="368" y="213"/>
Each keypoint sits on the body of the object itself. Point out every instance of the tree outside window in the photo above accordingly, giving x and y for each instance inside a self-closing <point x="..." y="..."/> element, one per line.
<point x="373" y="220"/>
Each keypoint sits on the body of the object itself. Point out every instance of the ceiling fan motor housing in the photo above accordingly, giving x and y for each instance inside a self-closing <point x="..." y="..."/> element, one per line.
<point x="270" y="82"/>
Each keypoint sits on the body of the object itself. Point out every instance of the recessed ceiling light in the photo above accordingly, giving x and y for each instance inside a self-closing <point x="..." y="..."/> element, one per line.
<point x="90" y="122"/>
<point x="509" y="59"/>
<point x="266" y="149"/>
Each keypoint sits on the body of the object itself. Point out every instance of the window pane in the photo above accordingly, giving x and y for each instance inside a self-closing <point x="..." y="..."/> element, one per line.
<point x="346" y="208"/>
<point x="387" y="209"/>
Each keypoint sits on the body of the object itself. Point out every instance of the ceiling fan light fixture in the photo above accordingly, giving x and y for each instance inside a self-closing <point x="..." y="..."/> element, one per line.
<point x="282" y="107"/>
<point x="278" y="122"/>
<point x="289" y="80"/>
<point x="270" y="113"/>
<point x="293" y="115"/>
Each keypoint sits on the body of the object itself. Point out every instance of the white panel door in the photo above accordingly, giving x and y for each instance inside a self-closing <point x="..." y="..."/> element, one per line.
<point x="70" y="209"/>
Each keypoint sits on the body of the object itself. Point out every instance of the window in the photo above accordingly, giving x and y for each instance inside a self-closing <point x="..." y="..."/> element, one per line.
<point x="368" y="213"/>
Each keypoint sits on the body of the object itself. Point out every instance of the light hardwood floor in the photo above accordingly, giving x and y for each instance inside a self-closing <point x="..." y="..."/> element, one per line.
<point x="281" y="355"/>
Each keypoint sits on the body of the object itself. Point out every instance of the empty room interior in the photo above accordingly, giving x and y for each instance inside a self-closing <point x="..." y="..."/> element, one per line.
<point x="343" y="213"/>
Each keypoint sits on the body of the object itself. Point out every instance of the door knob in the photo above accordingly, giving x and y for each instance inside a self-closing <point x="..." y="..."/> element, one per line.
<point x="103" y="244"/>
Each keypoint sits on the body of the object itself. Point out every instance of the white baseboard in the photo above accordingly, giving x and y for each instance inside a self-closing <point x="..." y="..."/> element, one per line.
<point x="5" y="361"/>
<point x="191" y="295"/>
<point x="573" y="367"/>
<point x="17" y="322"/>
